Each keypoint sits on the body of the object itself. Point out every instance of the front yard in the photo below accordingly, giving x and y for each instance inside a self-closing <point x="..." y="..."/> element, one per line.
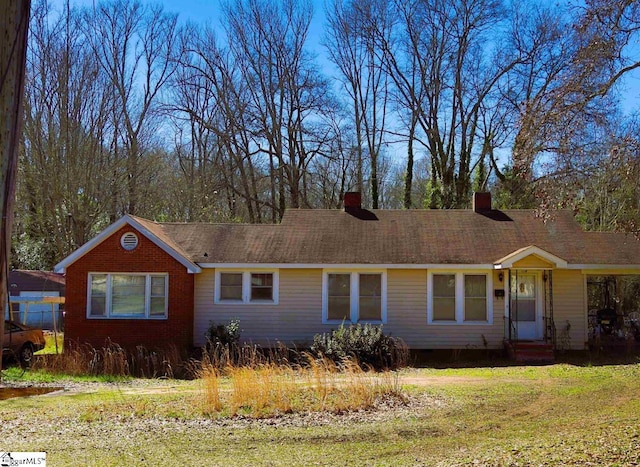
<point x="558" y="415"/>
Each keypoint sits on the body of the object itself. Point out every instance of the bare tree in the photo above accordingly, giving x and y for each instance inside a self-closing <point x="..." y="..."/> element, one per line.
<point x="354" y="48"/>
<point x="288" y="96"/>
<point x="214" y="99"/>
<point x="64" y="167"/>
<point x="134" y="46"/>
<point x="447" y="78"/>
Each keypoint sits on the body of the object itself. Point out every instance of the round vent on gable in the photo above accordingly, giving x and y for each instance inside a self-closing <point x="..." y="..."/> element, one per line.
<point x="129" y="241"/>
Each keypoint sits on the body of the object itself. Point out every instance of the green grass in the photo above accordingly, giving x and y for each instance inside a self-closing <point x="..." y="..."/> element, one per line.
<point x="16" y="373"/>
<point x="50" y="344"/>
<point x="552" y="415"/>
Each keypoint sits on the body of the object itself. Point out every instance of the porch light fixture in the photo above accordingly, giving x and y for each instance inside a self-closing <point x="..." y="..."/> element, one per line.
<point x="500" y="276"/>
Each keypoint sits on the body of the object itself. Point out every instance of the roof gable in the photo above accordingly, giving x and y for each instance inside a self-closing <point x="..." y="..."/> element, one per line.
<point x="149" y="229"/>
<point x="530" y="252"/>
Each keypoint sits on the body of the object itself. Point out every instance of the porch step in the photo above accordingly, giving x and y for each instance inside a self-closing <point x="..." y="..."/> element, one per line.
<point x="530" y="352"/>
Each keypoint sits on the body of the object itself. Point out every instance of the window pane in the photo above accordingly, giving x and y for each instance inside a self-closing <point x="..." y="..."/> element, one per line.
<point x="98" y="295"/>
<point x="523" y="309"/>
<point x="523" y="297"/>
<point x="475" y="309"/>
<point x="127" y="305"/>
<point x="127" y="295"/>
<point x="157" y="286"/>
<point x="231" y="286"/>
<point x="157" y="305"/>
<point x="475" y="285"/>
<point x="444" y="285"/>
<point x="370" y="297"/>
<point x="370" y="285"/>
<point x="98" y="284"/>
<point x="157" y="302"/>
<point x="262" y="286"/>
<point x="339" y="302"/>
<point x="98" y="306"/>
<point x="339" y="308"/>
<point x="231" y="278"/>
<point x="339" y="285"/>
<point x="370" y="309"/>
<point x="523" y="286"/>
<point x="475" y="297"/>
<point x="444" y="309"/>
<point x="444" y="297"/>
<point x="128" y="285"/>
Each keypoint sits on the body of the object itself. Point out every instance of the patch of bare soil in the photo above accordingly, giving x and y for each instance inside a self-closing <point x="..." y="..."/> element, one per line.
<point x="134" y="386"/>
<point x="385" y="408"/>
<point x="441" y="380"/>
<point x="12" y="392"/>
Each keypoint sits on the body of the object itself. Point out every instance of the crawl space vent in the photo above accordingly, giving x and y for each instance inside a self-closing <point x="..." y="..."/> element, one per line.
<point x="129" y="241"/>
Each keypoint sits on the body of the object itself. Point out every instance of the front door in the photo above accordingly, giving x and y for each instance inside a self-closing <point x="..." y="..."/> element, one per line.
<point x="524" y="305"/>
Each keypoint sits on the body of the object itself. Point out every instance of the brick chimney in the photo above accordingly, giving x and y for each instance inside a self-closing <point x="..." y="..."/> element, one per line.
<point x="352" y="200"/>
<point x="481" y="201"/>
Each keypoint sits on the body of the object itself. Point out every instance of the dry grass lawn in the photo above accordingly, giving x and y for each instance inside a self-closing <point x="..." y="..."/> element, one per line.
<point x="550" y="415"/>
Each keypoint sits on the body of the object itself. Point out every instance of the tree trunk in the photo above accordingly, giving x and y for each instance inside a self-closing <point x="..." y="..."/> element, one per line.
<point x="408" y="177"/>
<point x="14" y="28"/>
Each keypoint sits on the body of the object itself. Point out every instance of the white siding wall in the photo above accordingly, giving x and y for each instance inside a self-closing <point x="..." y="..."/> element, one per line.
<point x="298" y="315"/>
<point x="407" y="317"/>
<point x="569" y="306"/>
<point x="294" y="321"/>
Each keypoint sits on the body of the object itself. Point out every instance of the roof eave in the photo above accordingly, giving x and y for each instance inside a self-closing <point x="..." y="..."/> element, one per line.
<point x="441" y="266"/>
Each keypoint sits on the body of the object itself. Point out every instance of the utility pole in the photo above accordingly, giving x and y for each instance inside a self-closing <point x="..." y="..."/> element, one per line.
<point x="14" y="26"/>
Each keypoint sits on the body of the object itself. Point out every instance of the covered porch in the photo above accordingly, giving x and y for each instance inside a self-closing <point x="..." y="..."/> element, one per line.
<point x="530" y="330"/>
<point x="613" y="304"/>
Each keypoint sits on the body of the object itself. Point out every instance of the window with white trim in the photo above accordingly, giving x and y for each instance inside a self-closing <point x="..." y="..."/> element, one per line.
<point x="131" y="296"/>
<point x="354" y="297"/>
<point x="231" y="286"/>
<point x="475" y="297"/>
<point x="339" y="297"/>
<point x="444" y="297"/>
<point x="261" y="287"/>
<point x="459" y="298"/>
<point x="246" y="287"/>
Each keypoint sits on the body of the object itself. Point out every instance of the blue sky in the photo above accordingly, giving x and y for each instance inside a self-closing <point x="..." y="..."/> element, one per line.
<point x="197" y="10"/>
<point x="208" y="11"/>
<point x="205" y="11"/>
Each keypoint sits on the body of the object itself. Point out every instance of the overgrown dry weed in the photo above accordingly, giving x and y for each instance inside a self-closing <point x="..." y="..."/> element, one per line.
<point x="270" y="390"/>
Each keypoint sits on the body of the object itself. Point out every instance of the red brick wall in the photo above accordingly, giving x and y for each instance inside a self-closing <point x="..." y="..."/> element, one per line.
<point x="109" y="257"/>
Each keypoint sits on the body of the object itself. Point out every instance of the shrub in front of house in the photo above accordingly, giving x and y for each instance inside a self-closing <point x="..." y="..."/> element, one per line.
<point x="367" y="344"/>
<point x="224" y="334"/>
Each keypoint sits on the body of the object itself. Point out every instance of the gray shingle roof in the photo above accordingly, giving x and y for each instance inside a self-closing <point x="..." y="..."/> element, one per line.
<point x="396" y="237"/>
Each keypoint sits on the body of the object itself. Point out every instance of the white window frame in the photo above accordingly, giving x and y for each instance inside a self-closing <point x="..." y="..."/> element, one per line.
<point x="147" y="295"/>
<point x="355" y="295"/>
<point x="246" y="287"/>
<point x="459" y="297"/>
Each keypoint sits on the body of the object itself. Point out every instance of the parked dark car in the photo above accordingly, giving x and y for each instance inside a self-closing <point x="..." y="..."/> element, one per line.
<point x="21" y="341"/>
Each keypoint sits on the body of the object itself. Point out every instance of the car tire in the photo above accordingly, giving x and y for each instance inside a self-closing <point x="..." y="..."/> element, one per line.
<point x="26" y="355"/>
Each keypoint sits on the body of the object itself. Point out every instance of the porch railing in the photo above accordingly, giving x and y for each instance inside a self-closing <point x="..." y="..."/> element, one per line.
<point x="548" y="320"/>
